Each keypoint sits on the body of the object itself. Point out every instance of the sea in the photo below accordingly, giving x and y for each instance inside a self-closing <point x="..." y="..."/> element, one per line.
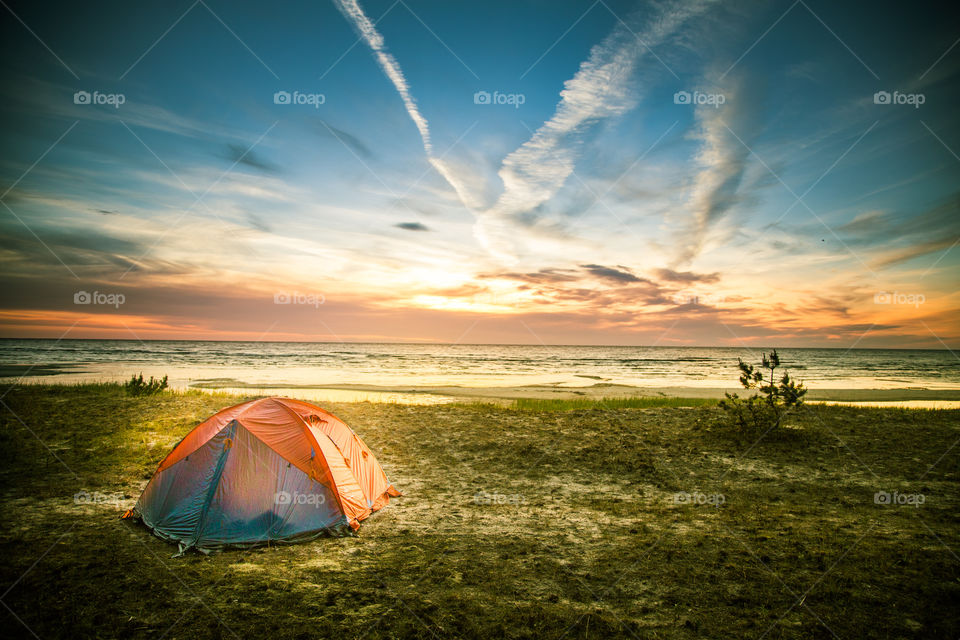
<point x="396" y="366"/>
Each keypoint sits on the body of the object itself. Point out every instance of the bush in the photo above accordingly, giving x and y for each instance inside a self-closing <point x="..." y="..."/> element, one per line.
<point x="136" y="386"/>
<point x="766" y="409"/>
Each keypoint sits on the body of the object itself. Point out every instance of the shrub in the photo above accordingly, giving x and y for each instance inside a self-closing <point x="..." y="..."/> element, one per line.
<point x="136" y="386"/>
<point x="771" y="400"/>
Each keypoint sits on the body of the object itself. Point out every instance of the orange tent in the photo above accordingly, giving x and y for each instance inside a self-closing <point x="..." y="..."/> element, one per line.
<point x="268" y="470"/>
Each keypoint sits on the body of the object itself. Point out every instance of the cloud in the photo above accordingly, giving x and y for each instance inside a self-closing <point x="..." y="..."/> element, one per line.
<point x="686" y="276"/>
<point x="866" y="222"/>
<point x="391" y="68"/>
<point x="412" y="226"/>
<point x="239" y="154"/>
<point x="550" y="275"/>
<point x="914" y="251"/>
<point x="85" y="251"/>
<point x="33" y="95"/>
<point x="622" y="274"/>
<point x="258" y="223"/>
<point x="388" y="64"/>
<point x="535" y="172"/>
<point x="600" y="89"/>
<point x="823" y="305"/>
<point x="725" y="134"/>
<point x="903" y="235"/>
<point x="353" y="142"/>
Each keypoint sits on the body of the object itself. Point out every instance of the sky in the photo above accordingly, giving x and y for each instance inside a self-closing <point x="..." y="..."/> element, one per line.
<point x="637" y="173"/>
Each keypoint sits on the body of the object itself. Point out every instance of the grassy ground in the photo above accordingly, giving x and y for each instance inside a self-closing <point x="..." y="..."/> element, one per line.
<point x="517" y="522"/>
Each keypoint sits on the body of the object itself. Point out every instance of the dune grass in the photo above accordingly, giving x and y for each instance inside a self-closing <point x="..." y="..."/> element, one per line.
<point x="651" y="522"/>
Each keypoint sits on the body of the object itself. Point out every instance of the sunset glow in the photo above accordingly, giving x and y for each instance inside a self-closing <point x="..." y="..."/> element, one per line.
<point x="655" y="176"/>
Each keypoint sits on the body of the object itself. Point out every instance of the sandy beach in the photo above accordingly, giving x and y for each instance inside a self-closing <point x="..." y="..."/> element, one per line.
<point x="944" y="398"/>
<point x="913" y="397"/>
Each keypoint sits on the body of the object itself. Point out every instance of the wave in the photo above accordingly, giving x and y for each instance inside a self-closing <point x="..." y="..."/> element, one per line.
<point x="455" y="363"/>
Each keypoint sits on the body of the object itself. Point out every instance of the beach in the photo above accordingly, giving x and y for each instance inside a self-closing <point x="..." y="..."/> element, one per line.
<point x="652" y="522"/>
<point x="445" y="373"/>
<point x="523" y="320"/>
<point x="915" y="398"/>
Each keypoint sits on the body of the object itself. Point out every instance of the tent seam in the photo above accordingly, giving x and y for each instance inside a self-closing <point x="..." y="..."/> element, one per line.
<point x="316" y="445"/>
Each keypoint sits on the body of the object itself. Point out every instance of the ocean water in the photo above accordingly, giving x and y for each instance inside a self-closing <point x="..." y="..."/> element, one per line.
<point x="406" y="365"/>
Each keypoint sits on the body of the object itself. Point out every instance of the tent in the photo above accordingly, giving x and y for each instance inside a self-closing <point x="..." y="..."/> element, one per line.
<point x="268" y="470"/>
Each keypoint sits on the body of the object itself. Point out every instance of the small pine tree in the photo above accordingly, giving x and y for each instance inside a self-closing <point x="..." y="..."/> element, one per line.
<point x="767" y="408"/>
<point x="136" y="386"/>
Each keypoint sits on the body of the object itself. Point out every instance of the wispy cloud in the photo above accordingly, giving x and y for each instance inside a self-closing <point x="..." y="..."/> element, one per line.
<point x="388" y="64"/>
<point x="686" y="276"/>
<point x="391" y="68"/>
<point x="535" y="172"/>
<point x="894" y="237"/>
<point x="238" y="154"/>
<point x="412" y="226"/>
<point x="600" y="89"/>
<point x="725" y="134"/>
<point x="618" y="274"/>
<point x="343" y="137"/>
<point x="32" y="95"/>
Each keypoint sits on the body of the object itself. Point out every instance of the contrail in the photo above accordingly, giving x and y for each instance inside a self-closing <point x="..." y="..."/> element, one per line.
<point x="391" y="68"/>
<point x="352" y="11"/>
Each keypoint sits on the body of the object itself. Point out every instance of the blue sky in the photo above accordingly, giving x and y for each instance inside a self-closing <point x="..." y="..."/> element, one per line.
<point x="787" y="206"/>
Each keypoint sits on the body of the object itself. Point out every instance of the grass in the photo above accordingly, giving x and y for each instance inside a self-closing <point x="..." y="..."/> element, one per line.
<point x="606" y="527"/>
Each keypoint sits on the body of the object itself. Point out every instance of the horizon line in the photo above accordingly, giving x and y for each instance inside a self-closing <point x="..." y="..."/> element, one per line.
<point x="483" y="344"/>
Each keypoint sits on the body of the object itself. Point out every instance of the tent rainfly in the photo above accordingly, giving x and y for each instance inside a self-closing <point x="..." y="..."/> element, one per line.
<point x="265" y="471"/>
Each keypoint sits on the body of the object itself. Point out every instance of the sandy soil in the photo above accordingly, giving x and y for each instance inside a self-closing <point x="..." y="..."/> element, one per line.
<point x="602" y="390"/>
<point x="632" y="523"/>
